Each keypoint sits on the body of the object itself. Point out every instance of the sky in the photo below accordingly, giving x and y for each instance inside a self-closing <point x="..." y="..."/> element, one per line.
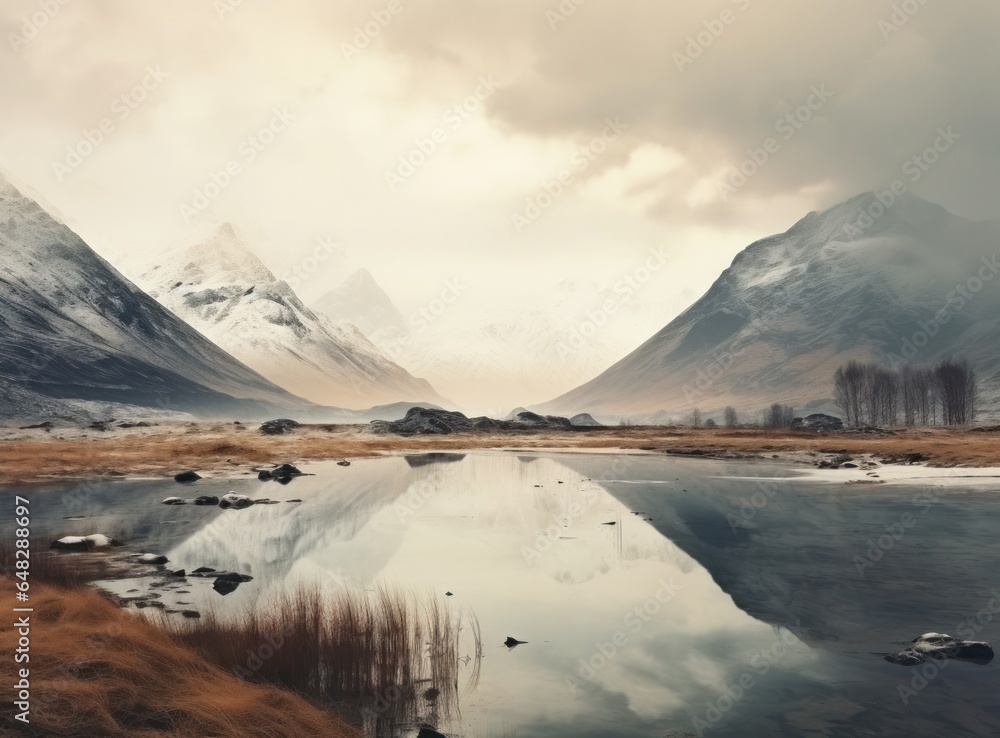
<point x="510" y="144"/>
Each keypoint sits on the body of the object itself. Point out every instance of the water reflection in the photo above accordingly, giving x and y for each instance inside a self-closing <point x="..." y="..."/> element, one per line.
<point x="716" y="611"/>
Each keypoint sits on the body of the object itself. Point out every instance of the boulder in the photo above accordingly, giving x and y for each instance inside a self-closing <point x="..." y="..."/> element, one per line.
<point x="940" y="647"/>
<point x="151" y="559"/>
<point x="818" y="422"/>
<point x="279" y="427"/>
<point x="233" y="500"/>
<point x="175" y="501"/>
<point x="343" y="463"/>
<point x="186" y="477"/>
<point x="206" y="500"/>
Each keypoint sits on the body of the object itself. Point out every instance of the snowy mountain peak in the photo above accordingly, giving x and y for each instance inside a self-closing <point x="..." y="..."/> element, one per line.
<point x="224" y="256"/>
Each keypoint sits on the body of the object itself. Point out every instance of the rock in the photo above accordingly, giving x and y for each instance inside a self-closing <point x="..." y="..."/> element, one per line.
<point x="512" y="642"/>
<point x="818" y="422"/>
<point x="279" y="427"/>
<point x="233" y="500"/>
<point x="343" y="463"/>
<point x="84" y="543"/>
<point x="151" y="559"/>
<point x="941" y="647"/>
<point x="175" y="501"/>
<point x="178" y="573"/>
<point x="206" y="500"/>
<point x="227" y="583"/>
<point x="190" y="613"/>
<point x="430" y="421"/>
<point x="187" y="477"/>
<point x="915" y="458"/>
<point x="203" y="570"/>
<point x="849" y="465"/>
<point x="584" y="420"/>
<point x="264" y="475"/>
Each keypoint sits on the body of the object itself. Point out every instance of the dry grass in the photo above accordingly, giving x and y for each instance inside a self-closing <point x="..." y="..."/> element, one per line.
<point x="97" y="670"/>
<point x="164" y="450"/>
<point x="372" y="657"/>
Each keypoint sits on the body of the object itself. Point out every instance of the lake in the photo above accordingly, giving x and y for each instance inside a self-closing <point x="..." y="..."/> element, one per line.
<point x="656" y="596"/>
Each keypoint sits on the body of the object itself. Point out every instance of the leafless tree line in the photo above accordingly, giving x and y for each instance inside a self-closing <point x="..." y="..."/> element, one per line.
<point x="871" y="394"/>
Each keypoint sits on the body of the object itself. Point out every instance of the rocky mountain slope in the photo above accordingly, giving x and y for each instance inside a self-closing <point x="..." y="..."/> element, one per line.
<point x="224" y="291"/>
<point x="78" y="338"/>
<point x="912" y="284"/>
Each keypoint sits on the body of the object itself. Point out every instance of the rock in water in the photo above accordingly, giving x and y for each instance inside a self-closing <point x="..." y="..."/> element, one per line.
<point x="85" y="543"/>
<point x="206" y="500"/>
<point x="940" y="646"/>
<point x="235" y="501"/>
<point x="512" y="642"/>
<point x="187" y="477"/>
<point x="151" y="559"/>
<point x="175" y="501"/>
<point x="343" y="463"/>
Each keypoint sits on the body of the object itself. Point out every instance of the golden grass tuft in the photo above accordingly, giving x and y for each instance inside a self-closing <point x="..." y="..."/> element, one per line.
<point x="97" y="670"/>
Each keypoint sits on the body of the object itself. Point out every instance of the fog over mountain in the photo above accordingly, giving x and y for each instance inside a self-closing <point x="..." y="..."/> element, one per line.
<point x="908" y="283"/>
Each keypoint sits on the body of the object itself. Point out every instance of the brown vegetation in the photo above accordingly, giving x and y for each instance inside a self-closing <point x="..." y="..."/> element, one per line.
<point x="97" y="670"/>
<point x="165" y="450"/>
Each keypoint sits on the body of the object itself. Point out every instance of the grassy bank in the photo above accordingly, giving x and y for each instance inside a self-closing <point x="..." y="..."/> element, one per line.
<point x="308" y="666"/>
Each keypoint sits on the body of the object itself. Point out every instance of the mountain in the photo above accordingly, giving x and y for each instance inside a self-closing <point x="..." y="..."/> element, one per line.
<point x="912" y="284"/>
<point x="78" y="338"/>
<point x="224" y="291"/>
<point x="360" y="301"/>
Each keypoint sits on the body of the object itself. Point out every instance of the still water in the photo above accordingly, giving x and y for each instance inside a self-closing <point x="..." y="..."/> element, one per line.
<point x="656" y="596"/>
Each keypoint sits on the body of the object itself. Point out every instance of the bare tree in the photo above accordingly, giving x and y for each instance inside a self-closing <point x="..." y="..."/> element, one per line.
<point x="731" y="419"/>
<point x="779" y="416"/>
<point x="694" y="418"/>
<point x="957" y="391"/>
<point x="848" y="383"/>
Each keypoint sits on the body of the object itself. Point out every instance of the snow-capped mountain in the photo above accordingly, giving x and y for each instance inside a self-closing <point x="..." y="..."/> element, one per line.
<point x="912" y="284"/>
<point x="224" y="291"/>
<point x="79" y="338"/>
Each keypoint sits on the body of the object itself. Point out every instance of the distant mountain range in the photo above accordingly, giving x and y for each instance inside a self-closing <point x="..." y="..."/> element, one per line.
<point x="906" y="283"/>
<point x="222" y="289"/>
<point x="79" y="339"/>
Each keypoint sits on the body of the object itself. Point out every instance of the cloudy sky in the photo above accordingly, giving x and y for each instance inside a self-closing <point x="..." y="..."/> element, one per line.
<point x="510" y="143"/>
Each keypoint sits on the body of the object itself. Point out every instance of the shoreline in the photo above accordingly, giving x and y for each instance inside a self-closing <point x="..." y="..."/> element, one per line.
<point x="213" y="449"/>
